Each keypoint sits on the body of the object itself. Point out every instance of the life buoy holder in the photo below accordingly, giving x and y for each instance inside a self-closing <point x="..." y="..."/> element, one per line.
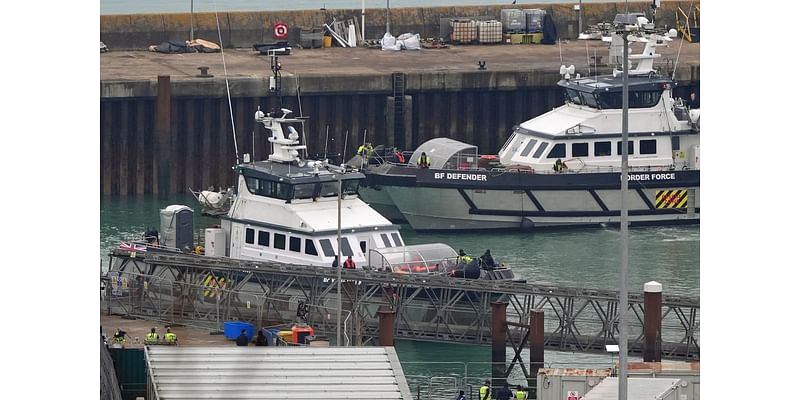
<point x="280" y="31"/>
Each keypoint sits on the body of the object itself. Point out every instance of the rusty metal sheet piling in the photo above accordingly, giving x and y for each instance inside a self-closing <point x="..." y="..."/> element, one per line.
<point x="652" y="322"/>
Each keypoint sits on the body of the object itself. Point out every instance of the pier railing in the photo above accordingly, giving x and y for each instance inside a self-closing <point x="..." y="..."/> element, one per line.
<point x="204" y="292"/>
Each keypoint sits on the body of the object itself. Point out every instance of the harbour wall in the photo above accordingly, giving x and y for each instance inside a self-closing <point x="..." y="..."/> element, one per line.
<point x="243" y="29"/>
<point x="474" y="108"/>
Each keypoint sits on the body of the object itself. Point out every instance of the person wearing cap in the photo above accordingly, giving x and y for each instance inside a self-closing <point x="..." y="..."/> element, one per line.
<point x="152" y="337"/>
<point x="520" y="394"/>
<point x="242" y="340"/>
<point x="487" y="260"/>
<point x="504" y="393"/>
<point x="463" y="257"/>
<point x="485" y="391"/>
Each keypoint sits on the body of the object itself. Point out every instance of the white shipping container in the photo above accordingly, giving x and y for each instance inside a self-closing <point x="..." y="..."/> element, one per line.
<point x="490" y="32"/>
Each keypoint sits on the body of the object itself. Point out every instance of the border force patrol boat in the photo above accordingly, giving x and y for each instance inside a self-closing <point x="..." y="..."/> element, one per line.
<point x="561" y="168"/>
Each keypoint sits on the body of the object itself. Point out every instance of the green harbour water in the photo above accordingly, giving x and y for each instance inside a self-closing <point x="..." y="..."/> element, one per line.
<point x="587" y="258"/>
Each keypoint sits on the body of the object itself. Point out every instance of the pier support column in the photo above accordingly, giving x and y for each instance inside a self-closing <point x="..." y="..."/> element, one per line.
<point x="386" y="328"/>
<point x="536" y="342"/>
<point x="499" y="333"/>
<point x="163" y="143"/>
<point x="652" y="322"/>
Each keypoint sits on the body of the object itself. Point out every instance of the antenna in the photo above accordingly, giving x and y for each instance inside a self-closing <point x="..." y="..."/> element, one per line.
<point x="227" y="85"/>
<point x="344" y="151"/>
<point x="364" y="143"/>
<point x="325" y="154"/>
<point x="560" y="57"/>
<point x="588" y="63"/>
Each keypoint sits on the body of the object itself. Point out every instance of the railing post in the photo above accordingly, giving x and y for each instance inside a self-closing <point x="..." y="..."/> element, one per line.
<point x="652" y="322"/>
<point x="536" y="341"/>
<point x="499" y="333"/>
<point x="386" y="328"/>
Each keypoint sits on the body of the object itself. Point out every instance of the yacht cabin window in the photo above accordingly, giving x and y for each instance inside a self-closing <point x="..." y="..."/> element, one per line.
<point x="602" y="149"/>
<point x="249" y="236"/>
<point x="327" y="248"/>
<point x="397" y="241"/>
<point x="386" y="242"/>
<point x="328" y="189"/>
<point x="630" y="147"/>
<point x="280" y="241"/>
<point x="263" y="187"/>
<point x="310" y="248"/>
<point x="511" y="139"/>
<point x="363" y="245"/>
<point x="303" y="191"/>
<point x="572" y="96"/>
<point x="559" y="151"/>
<point x="540" y="150"/>
<point x="580" y="149"/>
<point x="647" y="146"/>
<point x="636" y="99"/>
<point x="589" y="100"/>
<point x="263" y="238"/>
<point x="346" y="250"/>
<point x="294" y="243"/>
<point x="528" y="147"/>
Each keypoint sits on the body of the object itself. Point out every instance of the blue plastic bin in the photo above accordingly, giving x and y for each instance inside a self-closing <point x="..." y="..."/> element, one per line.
<point x="232" y="329"/>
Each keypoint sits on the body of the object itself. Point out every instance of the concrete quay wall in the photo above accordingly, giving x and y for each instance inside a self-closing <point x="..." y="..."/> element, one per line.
<point x="243" y="29"/>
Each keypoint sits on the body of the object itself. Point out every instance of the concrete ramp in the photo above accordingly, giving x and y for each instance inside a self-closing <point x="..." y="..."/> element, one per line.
<point x="275" y="373"/>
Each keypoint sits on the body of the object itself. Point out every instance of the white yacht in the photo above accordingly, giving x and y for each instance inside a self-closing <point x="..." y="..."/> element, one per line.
<point x="561" y="168"/>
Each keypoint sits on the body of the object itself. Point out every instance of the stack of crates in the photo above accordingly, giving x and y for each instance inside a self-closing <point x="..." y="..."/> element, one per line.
<point x="533" y="19"/>
<point x="513" y="20"/>
<point x="490" y="32"/>
<point x="463" y="31"/>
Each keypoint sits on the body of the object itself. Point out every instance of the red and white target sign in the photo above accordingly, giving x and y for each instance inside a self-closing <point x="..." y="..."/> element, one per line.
<point x="280" y="31"/>
<point x="572" y="395"/>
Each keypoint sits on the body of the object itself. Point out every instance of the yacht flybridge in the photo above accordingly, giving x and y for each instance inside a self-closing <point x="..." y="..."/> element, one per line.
<point x="561" y="168"/>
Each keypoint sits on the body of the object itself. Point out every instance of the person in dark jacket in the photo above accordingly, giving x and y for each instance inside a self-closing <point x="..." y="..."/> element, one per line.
<point x="335" y="263"/>
<point x="504" y="393"/>
<point x="242" y="339"/>
<point x="261" y="340"/>
<point x="487" y="260"/>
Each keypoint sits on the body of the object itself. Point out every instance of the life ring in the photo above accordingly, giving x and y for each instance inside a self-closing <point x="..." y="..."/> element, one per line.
<point x="280" y="31"/>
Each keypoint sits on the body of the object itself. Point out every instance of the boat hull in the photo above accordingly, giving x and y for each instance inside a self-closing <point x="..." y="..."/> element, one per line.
<point x="469" y="200"/>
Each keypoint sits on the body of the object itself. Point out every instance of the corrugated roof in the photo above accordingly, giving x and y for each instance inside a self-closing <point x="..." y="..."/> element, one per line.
<point x="639" y="388"/>
<point x="276" y="373"/>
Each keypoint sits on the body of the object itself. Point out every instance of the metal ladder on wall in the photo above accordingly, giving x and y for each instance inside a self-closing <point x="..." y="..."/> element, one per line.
<point x="399" y="95"/>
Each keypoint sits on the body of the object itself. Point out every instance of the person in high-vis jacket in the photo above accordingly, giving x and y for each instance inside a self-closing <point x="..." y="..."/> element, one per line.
<point x="152" y="337"/>
<point x="485" y="392"/>
<point x="170" y="337"/>
<point x="424" y="161"/>
<point x="520" y="394"/>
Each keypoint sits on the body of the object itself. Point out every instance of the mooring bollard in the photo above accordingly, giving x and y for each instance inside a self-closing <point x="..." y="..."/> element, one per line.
<point x="652" y="322"/>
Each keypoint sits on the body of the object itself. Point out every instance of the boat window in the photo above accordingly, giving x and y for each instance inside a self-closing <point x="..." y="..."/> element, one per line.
<point x="508" y="142"/>
<point x="580" y="149"/>
<point x="559" y="151"/>
<point x="363" y="245"/>
<point x="397" y="240"/>
<point x="602" y="149"/>
<point x="329" y="189"/>
<point x="280" y="241"/>
<point x="528" y="148"/>
<point x="619" y="147"/>
<point x="327" y="248"/>
<point x="350" y="186"/>
<point x="263" y="238"/>
<point x="304" y="191"/>
<point x="249" y="236"/>
<point x="267" y="188"/>
<point x="386" y="241"/>
<point x="676" y="143"/>
<point x="294" y="243"/>
<point x="589" y="99"/>
<point x="610" y="99"/>
<point x="346" y="250"/>
<point x="572" y="96"/>
<point x="637" y="99"/>
<point x="540" y="150"/>
<point x="647" y="146"/>
<point x="311" y="249"/>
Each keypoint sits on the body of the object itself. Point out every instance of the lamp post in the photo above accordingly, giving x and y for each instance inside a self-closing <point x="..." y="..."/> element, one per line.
<point x="191" y="20"/>
<point x="339" y="264"/>
<point x="387" y="16"/>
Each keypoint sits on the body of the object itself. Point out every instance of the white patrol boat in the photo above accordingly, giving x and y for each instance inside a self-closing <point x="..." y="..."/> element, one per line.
<point x="561" y="168"/>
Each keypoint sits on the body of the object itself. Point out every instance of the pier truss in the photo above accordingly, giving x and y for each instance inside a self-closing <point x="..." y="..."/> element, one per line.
<point x="205" y="292"/>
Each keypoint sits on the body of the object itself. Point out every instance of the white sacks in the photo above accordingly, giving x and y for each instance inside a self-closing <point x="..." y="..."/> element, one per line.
<point x="406" y="41"/>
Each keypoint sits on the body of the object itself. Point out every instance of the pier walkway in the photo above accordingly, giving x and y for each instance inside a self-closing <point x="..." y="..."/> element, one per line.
<point x="204" y="292"/>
